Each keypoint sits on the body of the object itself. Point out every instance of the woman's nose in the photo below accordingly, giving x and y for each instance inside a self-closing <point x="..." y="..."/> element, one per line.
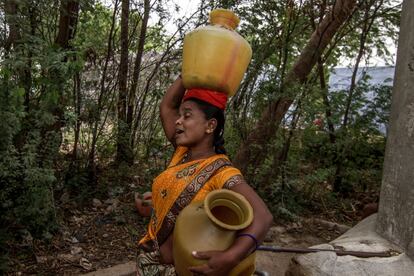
<point x="178" y="121"/>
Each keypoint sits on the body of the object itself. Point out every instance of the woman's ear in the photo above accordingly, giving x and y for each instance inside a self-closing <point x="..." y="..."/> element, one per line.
<point x="211" y="125"/>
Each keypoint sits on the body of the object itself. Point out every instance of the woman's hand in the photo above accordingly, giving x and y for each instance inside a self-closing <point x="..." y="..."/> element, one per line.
<point x="144" y="204"/>
<point x="219" y="263"/>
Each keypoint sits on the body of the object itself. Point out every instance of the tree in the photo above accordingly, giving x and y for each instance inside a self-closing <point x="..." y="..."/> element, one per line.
<point x="124" y="151"/>
<point x="370" y="13"/>
<point x="33" y="88"/>
<point x="267" y="125"/>
<point x="137" y="68"/>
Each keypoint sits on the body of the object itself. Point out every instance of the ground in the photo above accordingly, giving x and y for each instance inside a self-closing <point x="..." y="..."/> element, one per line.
<point x="104" y="232"/>
<point x="293" y="235"/>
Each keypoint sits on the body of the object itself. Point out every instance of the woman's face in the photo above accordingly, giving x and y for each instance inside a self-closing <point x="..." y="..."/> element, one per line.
<point x="192" y="127"/>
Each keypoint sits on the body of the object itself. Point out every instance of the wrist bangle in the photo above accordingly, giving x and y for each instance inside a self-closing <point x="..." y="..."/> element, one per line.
<point x="256" y="243"/>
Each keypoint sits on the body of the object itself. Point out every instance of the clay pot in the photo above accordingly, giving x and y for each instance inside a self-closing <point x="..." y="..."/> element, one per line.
<point x="211" y="225"/>
<point x="215" y="56"/>
<point x="144" y="204"/>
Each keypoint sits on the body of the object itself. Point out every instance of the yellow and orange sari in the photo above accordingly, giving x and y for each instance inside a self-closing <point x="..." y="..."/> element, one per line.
<point x="180" y="184"/>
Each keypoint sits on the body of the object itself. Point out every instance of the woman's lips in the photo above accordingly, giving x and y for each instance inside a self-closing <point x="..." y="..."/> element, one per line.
<point x="178" y="132"/>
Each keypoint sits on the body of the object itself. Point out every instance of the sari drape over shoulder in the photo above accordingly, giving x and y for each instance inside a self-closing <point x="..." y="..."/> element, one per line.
<point x="183" y="183"/>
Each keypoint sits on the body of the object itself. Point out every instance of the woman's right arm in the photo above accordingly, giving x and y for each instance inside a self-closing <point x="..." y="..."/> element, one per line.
<point x="169" y="107"/>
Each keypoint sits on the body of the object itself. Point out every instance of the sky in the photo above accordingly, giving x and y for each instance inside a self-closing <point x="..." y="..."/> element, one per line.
<point x="186" y="9"/>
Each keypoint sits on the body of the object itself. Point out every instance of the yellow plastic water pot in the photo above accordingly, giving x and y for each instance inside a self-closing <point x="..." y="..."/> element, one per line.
<point x="211" y="225"/>
<point x="216" y="57"/>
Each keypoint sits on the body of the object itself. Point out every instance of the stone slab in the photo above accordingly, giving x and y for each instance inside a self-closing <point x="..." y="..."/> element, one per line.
<point x="127" y="269"/>
<point x="360" y="238"/>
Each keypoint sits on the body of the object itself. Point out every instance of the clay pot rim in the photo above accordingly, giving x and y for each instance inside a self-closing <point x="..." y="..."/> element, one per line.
<point x="229" y="195"/>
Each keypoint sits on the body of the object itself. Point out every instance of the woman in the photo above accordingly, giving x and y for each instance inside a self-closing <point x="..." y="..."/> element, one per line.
<point x="193" y="122"/>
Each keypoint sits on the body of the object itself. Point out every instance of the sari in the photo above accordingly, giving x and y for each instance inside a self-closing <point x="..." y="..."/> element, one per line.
<point x="175" y="188"/>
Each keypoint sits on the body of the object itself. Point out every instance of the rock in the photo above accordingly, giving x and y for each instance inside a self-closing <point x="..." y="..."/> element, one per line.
<point x="76" y="219"/>
<point x="96" y="202"/>
<point x="127" y="269"/>
<point x="278" y="229"/>
<point x="273" y="263"/>
<point x="274" y="233"/>
<point x="41" y="259"/>
<point x="74" y="240"/>
<point x="360" y="238"/>
<point x="85" y="263"/>
<point x="76" y="250"/>
<point x="330" y="225"/>
<point x="105" y="235"/>
<point x="69" y="258"/>
<point x="110" y="209"/>
<point x="113" y="207"/>
<point x="286" y="239"/>
<point x="109" y="201"/>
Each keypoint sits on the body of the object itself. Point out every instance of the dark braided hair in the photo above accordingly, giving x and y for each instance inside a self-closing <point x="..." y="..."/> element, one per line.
<point x="210" y="111"/>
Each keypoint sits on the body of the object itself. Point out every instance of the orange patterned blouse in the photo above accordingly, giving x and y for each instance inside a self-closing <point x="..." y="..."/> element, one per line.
<point x="171" y="184"/>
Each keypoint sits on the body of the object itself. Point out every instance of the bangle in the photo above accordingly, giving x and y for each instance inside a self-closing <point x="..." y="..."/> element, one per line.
<point x="256" y="243"/>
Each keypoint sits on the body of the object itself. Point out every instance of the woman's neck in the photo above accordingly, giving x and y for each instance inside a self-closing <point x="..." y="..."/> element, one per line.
<point x="200" y="153"/>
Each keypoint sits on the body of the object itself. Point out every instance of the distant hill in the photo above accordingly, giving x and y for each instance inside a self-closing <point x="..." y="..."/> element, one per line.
<point x="340" y="78"/>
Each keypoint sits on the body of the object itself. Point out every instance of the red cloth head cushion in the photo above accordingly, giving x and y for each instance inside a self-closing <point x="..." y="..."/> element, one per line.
<point x="217" y="99"/>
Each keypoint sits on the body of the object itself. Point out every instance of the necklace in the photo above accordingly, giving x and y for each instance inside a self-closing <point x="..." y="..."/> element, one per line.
<point x="186" y="157"/>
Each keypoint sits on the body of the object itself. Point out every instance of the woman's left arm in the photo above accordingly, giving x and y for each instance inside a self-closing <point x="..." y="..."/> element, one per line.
<point x="220" y="263"/>
<point x="262" y="220"/>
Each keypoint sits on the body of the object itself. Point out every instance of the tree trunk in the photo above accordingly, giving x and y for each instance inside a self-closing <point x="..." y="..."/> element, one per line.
<point x="341" y="156"/>
<point x="124" y="152"/>
<point x="68" y="19"/>
<point x="24" y="73"/>
<point x="137" y="67"/>
<point x="77" y="103"/>
<point x="101" y="97"/>
<point x="10" y="11"/>
<point x="280" y="157"/>
<point x="256" y="142"/>
<point x="328" y="111"/>
<point x="140" y="107"/>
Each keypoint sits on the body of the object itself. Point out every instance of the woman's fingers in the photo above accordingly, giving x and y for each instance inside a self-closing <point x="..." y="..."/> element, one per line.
<point x="199" y="270"/>
<point x="202" y="255"/>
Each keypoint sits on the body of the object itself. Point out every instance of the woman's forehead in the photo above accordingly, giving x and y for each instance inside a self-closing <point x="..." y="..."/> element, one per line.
<point x="189" y="105"/>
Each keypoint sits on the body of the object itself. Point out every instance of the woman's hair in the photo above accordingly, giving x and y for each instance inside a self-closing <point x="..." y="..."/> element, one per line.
<point x="210" y="111"/>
